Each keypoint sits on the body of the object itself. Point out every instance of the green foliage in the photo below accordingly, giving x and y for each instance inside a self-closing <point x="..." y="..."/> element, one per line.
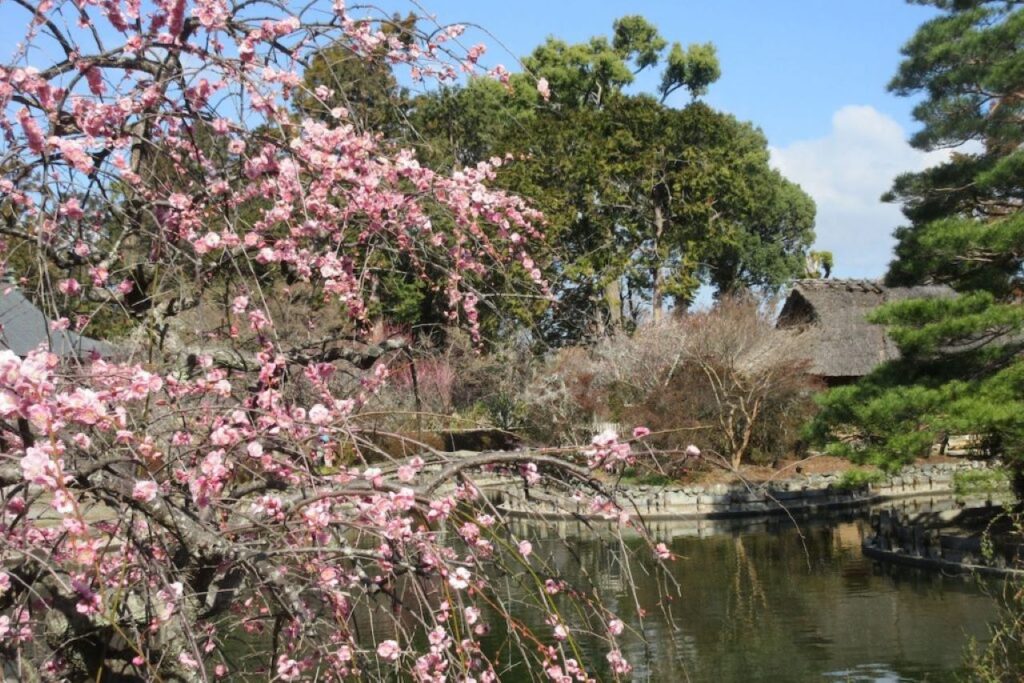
<point x="966" y="227"/>
<point x="967" y="61"/>
<point x="819" y="264"/>
<point x="505" y="411"/>
<point x="852" y="480"/>
<point x="646" y="477"/>
<point x="637" y="39"/>
<point x="929" y="328"/>
<point x="960" y="372"/>
<point x="898" y="412"/>
<point x="1000" y="658"/>
<point x="981" y="482"/>
<point x="645" y="202"/>
<point x="694" y="68"/>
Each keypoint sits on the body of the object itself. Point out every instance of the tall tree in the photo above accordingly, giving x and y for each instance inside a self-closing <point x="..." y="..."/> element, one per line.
<point x="645" y="202"/>
<point x="961" y="370"/>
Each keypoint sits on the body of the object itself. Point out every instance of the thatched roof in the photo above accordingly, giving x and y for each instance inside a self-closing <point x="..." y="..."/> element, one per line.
<point x="23" y="327"/>
<point x="829" y="318"/>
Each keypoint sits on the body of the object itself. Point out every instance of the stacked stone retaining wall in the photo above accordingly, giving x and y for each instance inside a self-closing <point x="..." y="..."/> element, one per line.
<point x="978" y="540"/>
<point x="800" y="494"/>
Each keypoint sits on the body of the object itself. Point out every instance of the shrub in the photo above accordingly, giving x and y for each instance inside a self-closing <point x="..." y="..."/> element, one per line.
<point x="724" y="379"/>
<point x="456" y="384"/>
<point x="851" y="480"/>
<point x="981" y="482"/>
<point x="1001" y="658"/>
<point x="560" y="403"/>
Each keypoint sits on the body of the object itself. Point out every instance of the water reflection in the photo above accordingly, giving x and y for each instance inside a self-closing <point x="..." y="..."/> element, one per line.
<point x="774" y="603"/>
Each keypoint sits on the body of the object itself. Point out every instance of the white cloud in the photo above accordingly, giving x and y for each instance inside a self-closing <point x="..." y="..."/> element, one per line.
<point x="846" y="172"/>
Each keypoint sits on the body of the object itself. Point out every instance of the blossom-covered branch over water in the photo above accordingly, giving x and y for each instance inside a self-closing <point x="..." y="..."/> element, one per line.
<point x="202" y="502"/>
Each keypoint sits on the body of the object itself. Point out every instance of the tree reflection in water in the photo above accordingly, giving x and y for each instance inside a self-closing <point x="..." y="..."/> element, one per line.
<point x="771" y="604"/>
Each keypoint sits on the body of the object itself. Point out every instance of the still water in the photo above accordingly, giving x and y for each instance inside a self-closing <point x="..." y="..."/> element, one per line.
<point x="773" y="603"/>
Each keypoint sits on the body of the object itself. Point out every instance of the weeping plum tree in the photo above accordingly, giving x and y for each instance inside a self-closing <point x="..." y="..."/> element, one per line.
<point x="202" y="504"/>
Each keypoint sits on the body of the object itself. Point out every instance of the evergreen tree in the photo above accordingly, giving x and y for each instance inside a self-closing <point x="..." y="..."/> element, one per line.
<point x="961" y="371"/>
<point x="644" y="202"/>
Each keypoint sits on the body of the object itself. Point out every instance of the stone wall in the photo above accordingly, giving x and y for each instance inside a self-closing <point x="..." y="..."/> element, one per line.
<point x="979" y="540"/>
<point x="800" y="494"/>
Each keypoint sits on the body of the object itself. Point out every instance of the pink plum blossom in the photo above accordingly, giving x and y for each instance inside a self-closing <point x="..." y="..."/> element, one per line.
<point x="544" y="89"/>
<point x="389" y="650"/>
<point x="288" y="669"/>
<point x="145" y="490"/>
<point x="38" y="467"/>
<point x="618" y="662"/>
<point x="459" y="579"/>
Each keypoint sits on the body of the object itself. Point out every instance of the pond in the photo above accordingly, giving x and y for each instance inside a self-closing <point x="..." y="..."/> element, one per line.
<point x="774" y="603"/>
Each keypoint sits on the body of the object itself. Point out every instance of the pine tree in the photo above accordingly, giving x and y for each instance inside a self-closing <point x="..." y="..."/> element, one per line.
<point x="961" y="370"/>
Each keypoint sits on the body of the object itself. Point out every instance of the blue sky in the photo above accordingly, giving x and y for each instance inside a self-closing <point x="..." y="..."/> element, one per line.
<point x="810" y="73"/>
<point x="787" y="65"/>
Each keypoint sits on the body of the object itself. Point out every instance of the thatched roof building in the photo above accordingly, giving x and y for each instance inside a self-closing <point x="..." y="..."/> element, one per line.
<point x="829" y="319"/>
<point x="23" y="327"/>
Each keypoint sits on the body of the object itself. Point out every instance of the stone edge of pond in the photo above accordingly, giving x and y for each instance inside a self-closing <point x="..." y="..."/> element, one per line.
<point x="952" y="541"/>
<point x="937" y="563"/>
<point x="796" y="495"/>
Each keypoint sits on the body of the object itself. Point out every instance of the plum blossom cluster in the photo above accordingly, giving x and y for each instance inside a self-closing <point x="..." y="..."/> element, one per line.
<point x="211" y="484"/>
<point x="607" y="452"/>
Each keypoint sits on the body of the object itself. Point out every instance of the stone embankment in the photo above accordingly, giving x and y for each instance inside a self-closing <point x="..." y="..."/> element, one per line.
<point x="978" y="540"/>
<point x="794" y="495"/>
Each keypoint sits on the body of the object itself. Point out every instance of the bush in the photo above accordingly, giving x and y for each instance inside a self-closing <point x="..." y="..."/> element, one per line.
<point x="560" y="404"/>
<point x="852" y="480"/>
<point x="723" y="379"/>
<point x="981" y="482"/>
<point x="456" y="384"/>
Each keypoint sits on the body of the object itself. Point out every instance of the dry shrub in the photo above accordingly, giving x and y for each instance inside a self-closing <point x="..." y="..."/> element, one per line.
<point x="560" y="404"/>
<point x="723" y="379"/>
